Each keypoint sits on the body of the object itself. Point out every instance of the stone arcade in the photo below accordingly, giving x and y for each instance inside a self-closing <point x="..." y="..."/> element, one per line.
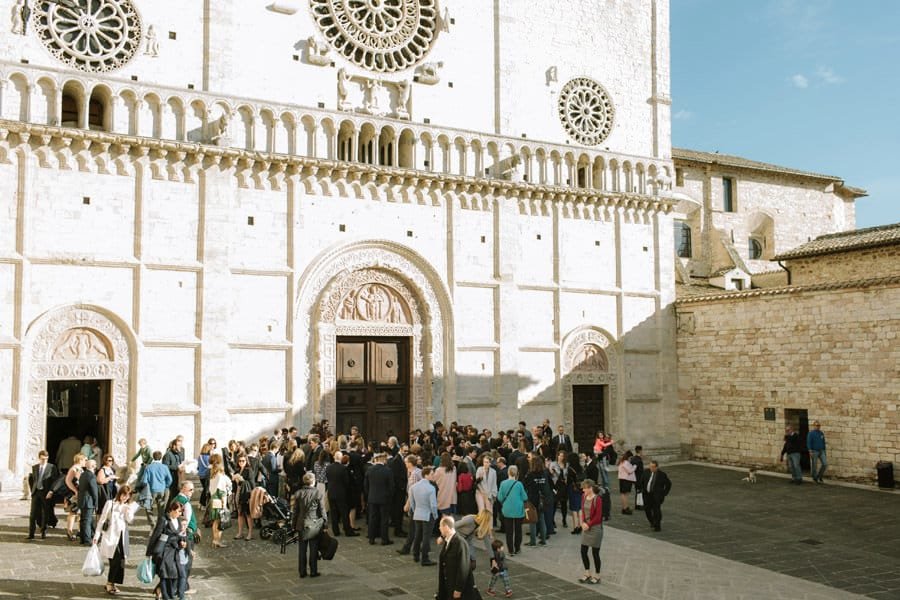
<point x="219" y="218"/>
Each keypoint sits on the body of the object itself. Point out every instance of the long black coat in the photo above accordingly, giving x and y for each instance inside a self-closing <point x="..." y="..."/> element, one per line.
<point x="164" y="551"/>
<point x="398" y="469"/>
<point x="379" y="484"/>
<point x="454" y="573"/>
<point x="338" y="481"/>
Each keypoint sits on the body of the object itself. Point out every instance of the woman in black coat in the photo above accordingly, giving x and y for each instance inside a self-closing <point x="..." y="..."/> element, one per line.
<point x="165" y="549"/>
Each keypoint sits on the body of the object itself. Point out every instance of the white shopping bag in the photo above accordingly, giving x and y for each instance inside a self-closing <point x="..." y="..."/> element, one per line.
<point x="92" y="566"/>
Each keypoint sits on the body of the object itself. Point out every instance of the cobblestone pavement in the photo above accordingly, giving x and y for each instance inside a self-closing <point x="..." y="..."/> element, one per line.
<point x="721" y="539"/>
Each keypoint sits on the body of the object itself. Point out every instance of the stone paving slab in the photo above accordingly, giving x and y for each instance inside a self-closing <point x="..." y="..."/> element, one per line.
<point x="722" y="539"/>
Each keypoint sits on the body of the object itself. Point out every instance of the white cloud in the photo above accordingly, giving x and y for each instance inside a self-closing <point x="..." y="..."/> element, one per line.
<point x="828" y="75"/>
<point x="799" y="81"/>
<point x="683" y="115"/>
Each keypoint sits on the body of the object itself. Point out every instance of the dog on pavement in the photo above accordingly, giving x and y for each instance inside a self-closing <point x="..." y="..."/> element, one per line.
<point x="751" y="476"/>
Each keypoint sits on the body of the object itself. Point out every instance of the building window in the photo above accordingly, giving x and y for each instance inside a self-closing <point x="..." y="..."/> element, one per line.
<point x="679" y="177"/>
<point x="69" y="111"/>
<point x="738" y="284"/>
<point x="755" y="250"/>
<point x="728" y="194"/>
<point x="682" y="239"/>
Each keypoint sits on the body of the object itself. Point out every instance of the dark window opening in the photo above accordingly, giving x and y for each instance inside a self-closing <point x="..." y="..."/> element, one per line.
<point x="682" y="239"/>
<point x="69" y="111"/>
<point x="728" y="194"/>
<point x="96" y="110"/>
<point x="756" y="249"/>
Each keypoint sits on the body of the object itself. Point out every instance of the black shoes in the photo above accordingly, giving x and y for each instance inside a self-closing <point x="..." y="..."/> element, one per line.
<point x="351" y="534"/>
<point x="316" y="574"/>
<point x="428" y="563"/>
<point x="402" y="551"/>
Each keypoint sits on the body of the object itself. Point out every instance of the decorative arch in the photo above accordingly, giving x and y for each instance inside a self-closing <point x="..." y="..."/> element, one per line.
<point x="421" y="310"/>
<point x="590" y="357"/>
<point x="78" y="341"/>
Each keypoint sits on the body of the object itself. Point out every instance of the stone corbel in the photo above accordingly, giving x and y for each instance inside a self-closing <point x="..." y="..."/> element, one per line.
<point x="317" y="52"/>
<point x="427" y="73"/>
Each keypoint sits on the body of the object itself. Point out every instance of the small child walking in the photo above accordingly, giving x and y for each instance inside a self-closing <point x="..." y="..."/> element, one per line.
<point x="498" y="569"/>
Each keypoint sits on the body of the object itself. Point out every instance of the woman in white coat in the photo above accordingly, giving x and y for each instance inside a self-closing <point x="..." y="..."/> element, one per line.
<point x="486" y="481"/>
<point x="114" y="541"/>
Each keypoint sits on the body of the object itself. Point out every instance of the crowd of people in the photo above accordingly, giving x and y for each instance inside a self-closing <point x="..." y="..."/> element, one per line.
<point x="441" y="484"/>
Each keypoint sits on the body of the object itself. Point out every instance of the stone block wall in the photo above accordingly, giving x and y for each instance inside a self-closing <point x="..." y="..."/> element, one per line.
<point x="868" y="263"/>
<point x="832" y="352"/>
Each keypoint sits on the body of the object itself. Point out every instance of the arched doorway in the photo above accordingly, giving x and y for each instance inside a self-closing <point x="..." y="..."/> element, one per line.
<point x="374" y="303"/>
<point x="589" y="383"/>
<point x="78" y="362"/>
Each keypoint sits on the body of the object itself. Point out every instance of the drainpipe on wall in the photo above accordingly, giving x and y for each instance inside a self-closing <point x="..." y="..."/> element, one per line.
<point x="786" y="269"/>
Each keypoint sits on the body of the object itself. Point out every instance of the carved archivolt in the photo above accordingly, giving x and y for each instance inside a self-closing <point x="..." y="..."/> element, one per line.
<point x="76" y="342"/>
<point x="412" y="304"/>
<point x="589" y="357"/>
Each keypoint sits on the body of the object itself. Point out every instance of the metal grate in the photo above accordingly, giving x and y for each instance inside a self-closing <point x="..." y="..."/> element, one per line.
<point x="392" y="592"/>
<point x="811" y="542"/>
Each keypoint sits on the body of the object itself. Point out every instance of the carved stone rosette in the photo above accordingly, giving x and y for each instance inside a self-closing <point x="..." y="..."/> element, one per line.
<point x="412" y="303"/>
<point x="589" y="357"/>
<point x="76" y="342"/>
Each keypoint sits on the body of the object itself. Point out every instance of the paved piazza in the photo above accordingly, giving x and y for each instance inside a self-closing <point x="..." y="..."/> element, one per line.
<point x="721" y="539"/>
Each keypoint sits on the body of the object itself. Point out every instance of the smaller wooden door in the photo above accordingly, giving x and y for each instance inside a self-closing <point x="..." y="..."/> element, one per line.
<point x="373" y="387"/>
<point x="587" y="414"/>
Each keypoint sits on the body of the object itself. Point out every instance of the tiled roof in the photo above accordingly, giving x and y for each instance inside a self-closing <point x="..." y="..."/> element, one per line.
<point x="695" y="294"/>
<point x="744" y="163"/>
<point x="844" y="241"/>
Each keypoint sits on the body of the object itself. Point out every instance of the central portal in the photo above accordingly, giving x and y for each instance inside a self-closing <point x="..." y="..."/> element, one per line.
<point x="373" y="384"/>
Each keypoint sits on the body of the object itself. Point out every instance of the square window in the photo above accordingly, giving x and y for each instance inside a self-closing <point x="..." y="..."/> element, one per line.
<point x="190" y="86"/>
<point x="538" y="236"/>
<point x="134" y="78"/>
<point x="409" y="234"/>
<point x="172" y="35"/>
<point x="250" y="221"/>
<point x="342" y="227"/>
<point x="86" y="200"/>
<point x="296" y="57"/>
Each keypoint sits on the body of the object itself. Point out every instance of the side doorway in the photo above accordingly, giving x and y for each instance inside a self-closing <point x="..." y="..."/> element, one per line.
<point x="77" y="408"/>
<point x="588" y="414"/>
<point x="373" y="387"/>
<point x="798" y="418"/>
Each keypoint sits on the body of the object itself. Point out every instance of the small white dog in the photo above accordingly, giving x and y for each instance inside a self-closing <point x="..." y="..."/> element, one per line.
<point x="751" y="476"/>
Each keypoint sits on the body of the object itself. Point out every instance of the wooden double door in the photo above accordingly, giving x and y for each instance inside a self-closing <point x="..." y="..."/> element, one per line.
<point x="373" y="383"/>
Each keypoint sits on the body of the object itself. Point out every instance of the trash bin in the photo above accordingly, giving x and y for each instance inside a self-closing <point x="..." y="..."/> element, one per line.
<point x="885" y="474"/>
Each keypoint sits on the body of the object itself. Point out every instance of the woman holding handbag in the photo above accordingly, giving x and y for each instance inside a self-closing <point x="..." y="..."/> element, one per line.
<point x="117" y="515"/>
<point x="219" y="490"/>
<point x="512" y="498"/>
<point x="164" y="547"/>
<point x="309" y="519"/>
<point x="243" y="486"/>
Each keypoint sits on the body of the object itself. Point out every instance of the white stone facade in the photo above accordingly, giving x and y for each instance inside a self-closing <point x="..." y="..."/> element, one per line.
<point x="194" y="246"/>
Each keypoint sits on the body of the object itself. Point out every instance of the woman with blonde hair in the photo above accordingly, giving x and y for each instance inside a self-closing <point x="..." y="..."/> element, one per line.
<point x="71" y="501"/>
<point x="474" y="528"/>
<point x="219" y="490"/>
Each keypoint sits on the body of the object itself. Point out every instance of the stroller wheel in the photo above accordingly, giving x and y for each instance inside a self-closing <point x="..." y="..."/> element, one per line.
<point x="265" y="533"/>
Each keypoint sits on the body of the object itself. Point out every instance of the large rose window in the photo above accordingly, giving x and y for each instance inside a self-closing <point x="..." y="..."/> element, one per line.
<point x="586" y="111"/>
<point x="90" y="35"/>
<point x="379" y="35"/>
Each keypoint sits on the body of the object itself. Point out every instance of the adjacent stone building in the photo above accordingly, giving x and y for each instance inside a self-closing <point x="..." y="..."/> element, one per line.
<point x="826" y="347"/>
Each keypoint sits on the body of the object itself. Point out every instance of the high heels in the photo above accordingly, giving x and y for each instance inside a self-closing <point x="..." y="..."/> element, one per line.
<point x="219" y="545"/>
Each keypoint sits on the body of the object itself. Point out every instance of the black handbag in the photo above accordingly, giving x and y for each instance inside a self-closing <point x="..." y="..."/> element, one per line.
<point x="328" y="545"/>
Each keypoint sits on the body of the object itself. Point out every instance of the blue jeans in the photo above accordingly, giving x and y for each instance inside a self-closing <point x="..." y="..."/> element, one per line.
<point x="538" y="527"/>
<point x="793" y="461"/>
<point x="421" y="544"/>
<point x="817" y="456"/>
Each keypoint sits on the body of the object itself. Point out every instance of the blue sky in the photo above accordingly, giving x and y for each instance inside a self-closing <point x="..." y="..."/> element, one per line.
<point x="808" y="84"/>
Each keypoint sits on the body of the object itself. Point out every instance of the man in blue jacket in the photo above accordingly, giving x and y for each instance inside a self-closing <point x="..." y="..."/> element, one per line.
<point x="815" y="443"/>
<point x="158" y="479"/>
<point x="423" y="505"/>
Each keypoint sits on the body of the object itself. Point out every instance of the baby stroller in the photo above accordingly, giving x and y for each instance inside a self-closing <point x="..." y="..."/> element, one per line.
<point x="275" y="522"/>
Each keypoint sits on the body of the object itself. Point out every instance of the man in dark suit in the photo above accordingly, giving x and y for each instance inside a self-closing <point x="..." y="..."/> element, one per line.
<point x="655" y="486"/>
<point x="379" y="487"/>
<point x="455" y="579"/>
<point x="88" y="500"/>
<point x="338" y="477"/>
<point x="561" y="441"/>
<point x="41" y="479"/>
<point x="397" y="465"/>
